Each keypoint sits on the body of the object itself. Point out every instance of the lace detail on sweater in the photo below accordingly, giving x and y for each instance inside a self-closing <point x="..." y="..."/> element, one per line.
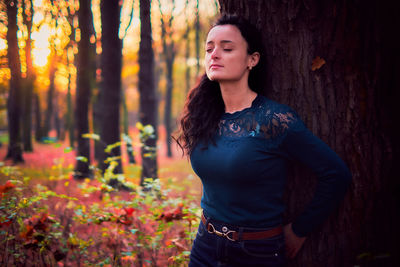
<point x="265" y="118"/>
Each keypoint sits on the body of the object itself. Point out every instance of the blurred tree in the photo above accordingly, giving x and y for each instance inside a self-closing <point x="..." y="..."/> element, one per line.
<point x="70" y="61"/>
<point x="14" y="101"/>
<point x="27" y="15"/>
<point x="85" y="80"/>
<point x="69" y="120"/>
<point x="37" y="116"/>
<point x="49" y="113"/>
<point x="186" y="36"/>
<point x="127" y="138"/>
<point x="148" y="98"/>
<point x="169" y="53"/>
<point x="125" y="118"/>
<point x="336" y="63"/>
<point x="197" y="29"/>
<point x="111" y="63"/>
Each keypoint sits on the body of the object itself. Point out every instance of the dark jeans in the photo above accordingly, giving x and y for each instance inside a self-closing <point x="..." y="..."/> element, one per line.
<point x="212" y="250"/>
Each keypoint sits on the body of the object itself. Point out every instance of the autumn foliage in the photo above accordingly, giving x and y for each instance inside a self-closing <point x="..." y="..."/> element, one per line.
<point x="57" y="221"/>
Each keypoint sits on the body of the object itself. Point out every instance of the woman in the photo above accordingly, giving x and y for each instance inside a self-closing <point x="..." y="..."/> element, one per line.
<point x="240" y="144"/>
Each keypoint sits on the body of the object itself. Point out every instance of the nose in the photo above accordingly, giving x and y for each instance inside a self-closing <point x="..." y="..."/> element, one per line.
<point x="215" y="53"/>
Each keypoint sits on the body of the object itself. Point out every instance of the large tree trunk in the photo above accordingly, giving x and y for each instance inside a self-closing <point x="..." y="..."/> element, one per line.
<point x="14" y="98"/>
<point x="148" y="99"/>
<point x="83" y="88"/>
<point x="349" y="102"/>
<point x="111" y="63"/>
<point x="29" y="80"/>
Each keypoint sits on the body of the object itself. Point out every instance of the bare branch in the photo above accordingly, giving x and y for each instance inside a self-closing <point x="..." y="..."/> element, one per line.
<point x="130" y="19"/>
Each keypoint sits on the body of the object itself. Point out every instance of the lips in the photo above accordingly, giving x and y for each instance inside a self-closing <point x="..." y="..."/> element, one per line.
<point x="214" y="66"/>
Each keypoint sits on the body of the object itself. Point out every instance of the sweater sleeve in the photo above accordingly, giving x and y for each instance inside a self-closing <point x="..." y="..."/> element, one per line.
<point x="333" y="175"/>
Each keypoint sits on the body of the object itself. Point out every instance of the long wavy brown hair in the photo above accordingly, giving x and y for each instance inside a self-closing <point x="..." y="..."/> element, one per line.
<point x="204" y="105"/>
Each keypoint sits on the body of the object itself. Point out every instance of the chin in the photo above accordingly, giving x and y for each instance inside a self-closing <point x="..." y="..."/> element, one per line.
<point x="214" y="77"/>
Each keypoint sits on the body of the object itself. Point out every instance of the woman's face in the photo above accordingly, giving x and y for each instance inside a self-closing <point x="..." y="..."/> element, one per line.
<point x="226" y="57"/>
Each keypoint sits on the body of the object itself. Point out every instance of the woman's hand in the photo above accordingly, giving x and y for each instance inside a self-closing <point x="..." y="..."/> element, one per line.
<point x="292" y="241"/>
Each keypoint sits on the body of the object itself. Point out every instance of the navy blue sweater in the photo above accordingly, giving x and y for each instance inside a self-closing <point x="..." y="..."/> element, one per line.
<point x="244" y="173"/>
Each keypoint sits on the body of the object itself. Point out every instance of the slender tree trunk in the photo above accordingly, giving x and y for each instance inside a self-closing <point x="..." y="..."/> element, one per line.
<point x="187" y="50"/>
<point x="169" y="57"/>
<point x="71" y="60"/>
<point x="30" y="77"/>
<point x="148" y="98"/>
<point x="38" y="117"/>
<point x="111" y="63"/>
<point x="83" y="88"/>
<point x="57" y="120"/>
<point x="14" y="98"/>
<point x="128" y="139"/>
<point x="50" y="96"/>
<point x="168" y="102"/>
<point x="70" y="112"/>
<point x="97" y="118"/>
<point x="197" y="38"/>
<point x="335" y="62"/>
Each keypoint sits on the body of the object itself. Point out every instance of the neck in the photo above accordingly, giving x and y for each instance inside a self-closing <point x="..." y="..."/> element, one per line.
<point x="236" y="96"/>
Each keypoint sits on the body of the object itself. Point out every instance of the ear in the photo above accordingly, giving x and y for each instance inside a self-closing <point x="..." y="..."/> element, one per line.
<point x="254" y="59"/>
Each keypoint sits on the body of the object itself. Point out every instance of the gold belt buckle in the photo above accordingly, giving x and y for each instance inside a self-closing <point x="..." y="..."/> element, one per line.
<point x="211" y="229"/>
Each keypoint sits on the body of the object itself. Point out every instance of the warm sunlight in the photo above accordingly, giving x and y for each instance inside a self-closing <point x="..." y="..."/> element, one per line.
<point x="3" y="44"/>
<point x="41" y="51"/>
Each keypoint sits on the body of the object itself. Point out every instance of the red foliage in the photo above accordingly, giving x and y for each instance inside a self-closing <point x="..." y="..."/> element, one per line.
<point x="6" y="223"/>
<point x="6" y="187"/>
<point x="174" y="214"/>
<point x="126" y="218"/>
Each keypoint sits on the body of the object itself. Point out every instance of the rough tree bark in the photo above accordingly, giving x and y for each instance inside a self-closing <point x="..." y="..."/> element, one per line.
<point x="14" y="97"/>
<point x="83" y="88"/>
<point x="335" y="63"/>
<point x="148" y="99"/>
<point x="111" y="63"/>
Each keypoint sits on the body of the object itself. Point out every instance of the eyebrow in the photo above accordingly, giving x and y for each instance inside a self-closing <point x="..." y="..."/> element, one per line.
<point x="222" y="41"/>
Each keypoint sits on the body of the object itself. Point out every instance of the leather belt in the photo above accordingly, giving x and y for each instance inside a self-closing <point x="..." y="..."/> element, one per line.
<point x="234" y="235"/>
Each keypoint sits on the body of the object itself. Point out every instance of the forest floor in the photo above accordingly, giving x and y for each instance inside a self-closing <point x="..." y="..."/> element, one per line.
<point x="127" y="227"/>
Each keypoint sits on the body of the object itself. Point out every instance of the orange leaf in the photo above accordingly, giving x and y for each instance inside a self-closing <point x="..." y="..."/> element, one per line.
<point x="317" y="63"/>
